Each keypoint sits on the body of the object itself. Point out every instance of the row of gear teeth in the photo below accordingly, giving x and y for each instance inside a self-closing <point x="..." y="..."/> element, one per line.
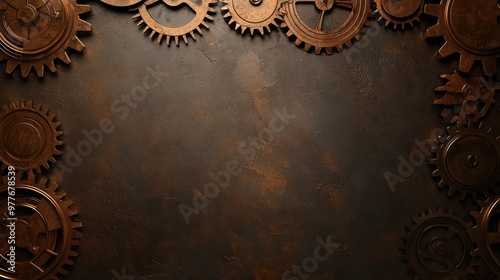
<point x="399" y="13"/>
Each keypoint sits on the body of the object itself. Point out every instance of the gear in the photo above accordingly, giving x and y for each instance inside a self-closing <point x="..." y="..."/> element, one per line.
<point x="252" y="14"/>
<point x="306" y="36"/>
<point x="469" y="96"/>
<point x="470" y="28"/>
<point x="35" y="32"/>
<point x="468" y="162"/>
<point x="29" y="137"/>
<point x="121" y="3"/>
<point x="46" y="232"/>
<point x="487" y="233"/>
<point x="202" y="11"/>
<point x="398" y="12"/>
<point x="437" y="246"/>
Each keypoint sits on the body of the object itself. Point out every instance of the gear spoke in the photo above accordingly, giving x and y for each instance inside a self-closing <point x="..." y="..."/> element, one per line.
<point x="451" y="232"/>
<point x="319" y="26"/>
<point x="345" y="4"/>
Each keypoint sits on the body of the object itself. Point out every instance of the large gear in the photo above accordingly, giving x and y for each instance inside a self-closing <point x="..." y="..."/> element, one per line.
<point x="203" y="13"/>
<point x="29" y="137"/>
<point x="398" y="12"/>
<point x="468" y="162"/>
<point x="437" y="246"/>
<point x="470" y="28"/>
<point x="252" y="14"/>
<point x="308" y="37"/>
<point x="33" y="33"/>
<point x="486" y="234"/>
<point x="47" y="233"/>
<point x="468" y="98"/>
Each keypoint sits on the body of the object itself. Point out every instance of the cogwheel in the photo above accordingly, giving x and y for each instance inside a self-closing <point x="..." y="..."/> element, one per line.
<point x="29" y="137"/>
<point x="468" y="161"/>
<point x="35" y="32"/>
<point x="437" y="246"/>
<point x="252" y="14"/>
<point x="486" y="234"/>
<point x="46" y="232"/>
<point x="399" y="12"/>
<point x="470" y="28"/>
<point x="470" y="97"/>
<point x="202" y="11"/>
<point x="306" y="36"/>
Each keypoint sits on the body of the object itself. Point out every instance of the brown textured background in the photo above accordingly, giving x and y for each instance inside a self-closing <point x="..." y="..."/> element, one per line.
<point x="323" y="175"/>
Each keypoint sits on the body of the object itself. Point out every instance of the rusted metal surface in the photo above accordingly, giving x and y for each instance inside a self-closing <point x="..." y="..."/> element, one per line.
<point x="316" y="181"/>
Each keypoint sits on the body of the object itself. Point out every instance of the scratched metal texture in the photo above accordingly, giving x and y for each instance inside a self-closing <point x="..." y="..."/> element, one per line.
<point x="322" y="175"/>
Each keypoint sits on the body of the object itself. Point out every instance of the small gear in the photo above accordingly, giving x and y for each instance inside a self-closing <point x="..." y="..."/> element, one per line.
<point x="399" y="12"/>
<point x="33" y="33"/>
<point x="470" y="97"/>
<point x="29" y="137"/>
<point x="252" y="14"/>
<point x="437" y="246"/>
<point x="203" y="12"/>
<point x="468" y="161"/>
<point x="470" y="28"/>
<point x="308" y="37"/>
<point x="47" y="233"/>
<point x="486" y="234"/>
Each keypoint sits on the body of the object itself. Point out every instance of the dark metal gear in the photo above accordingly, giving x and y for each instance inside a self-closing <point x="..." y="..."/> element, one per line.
<point x="486" y="234"/>
<point x="29" y="137"/>
<point x="203" y="13"/>
<point x="46" y="232"/>
<point x="252" y="14"/>
<point x="468" y="98"/>
<point x="33" y="33"/>
<point x="470" y="28"/>
<point x="308" y="37"/>
<point x="437" y="246"/>
<point x="399" y="12"/>
<point x="468" y="162"/>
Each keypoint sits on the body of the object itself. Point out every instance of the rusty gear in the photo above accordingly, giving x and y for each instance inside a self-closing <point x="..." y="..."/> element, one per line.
<point x="470" y="97"/>
<point x="252" y="14"/>
<point x="29" y="137"/>
<point x="320" y="39"/>
<point x="470" y="28"/>
<point x="46" y="232"/>
<point x="34" y="33"/>
<point x="437" y="246"/>
<point x="486" y="234"/>
<point x="398" y="12"/>
<point x="468" y="162"/>
<point x="203" y="12"/>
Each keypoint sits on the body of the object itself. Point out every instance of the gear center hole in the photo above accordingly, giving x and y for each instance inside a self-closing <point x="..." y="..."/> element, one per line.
<point x="333" y="19"/>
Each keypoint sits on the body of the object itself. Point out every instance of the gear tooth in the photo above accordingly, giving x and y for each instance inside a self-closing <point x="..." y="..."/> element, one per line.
<point x="63" y="271"/>
<point x="176" y="39"/>
<point x="192" y="35"/>
<point x="243" y="29"/>
<point x="153" y="33"/>
<point x="237" y="26"/>
<point x="205" y="25"/>
<point x="283" y="25"/>
<point x="268" y="28"/>
<point x="76" y="44"/>
<point x="435" y="173"/>
<point x="11" y="66"/>
<point x="446" y="50"/>
<point x="51" y="65"/>
<point x="451" y="191"/>
<point x="83" y="26"/>
<point x="168" y="40"/>
<point x="349" y="43"/>
<point x="329" y="50"/>
<point x="363" y="30"/>
<point x="289" y="34"/>
<point x="39" y="69"/>
<point x="83" y="9"/>
<point x="261" y="30"/>
<point x="298" y="42"/>
<point x="307" y="47"/>
<point x="72" y="212"/>
<point x="475" y="215"/>
<point x="317" y="50"/>
<point x="160" y="37"/>
<point x="64" y="58"/>
<point x="358" y="37"/>
<point x="76" y="225"/>
<point x="199" y="30"/>
<point x="185" y="39"/>
<point x="25" y="70"/>
<point x="339" y="48"/>
<point x="476" y="253"/>
<point x="433" y="31"/>
<point x="433" y="162"/>
<point x="146" y="28"/>
<point x="433" y="9"/>
<point x="387" y="23"/>
<point x="209" y="17"/>
<point x="466" y="63"/>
